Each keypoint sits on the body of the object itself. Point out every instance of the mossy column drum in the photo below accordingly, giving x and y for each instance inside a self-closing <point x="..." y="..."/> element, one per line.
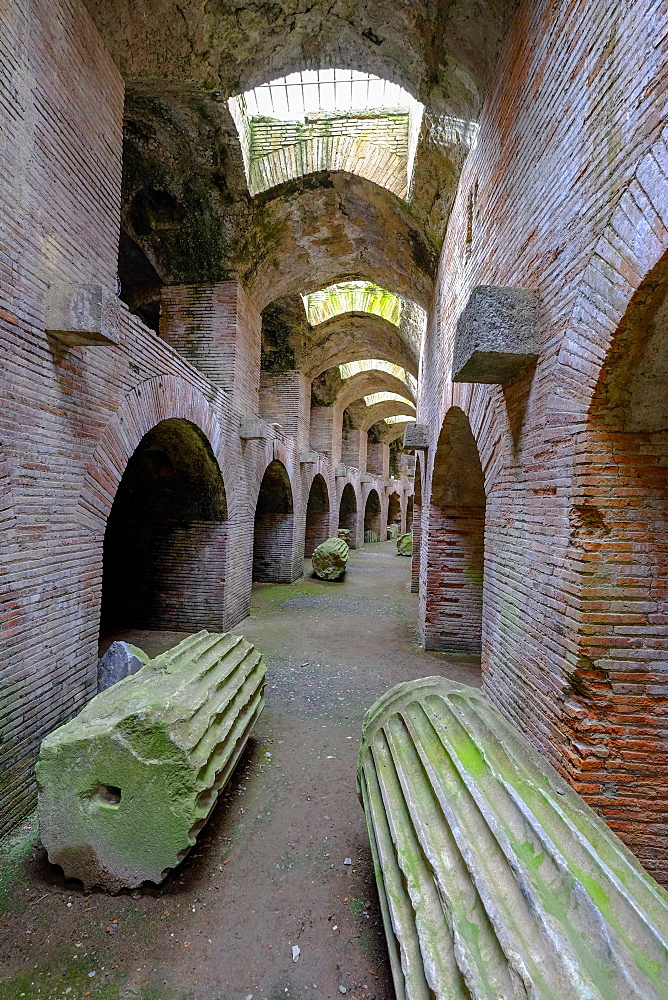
<point x="126" y="786"/>
<point x="496" y="880"/>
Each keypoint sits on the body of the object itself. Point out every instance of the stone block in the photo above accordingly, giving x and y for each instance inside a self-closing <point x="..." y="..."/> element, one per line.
<point x="365" y="477"/>
<point x="126" y="786"/>
<point x="308" y="458"/>
<point x="82" y="314"/>
<point x="121" y="660"/>
<point x="340" y="472"/>
<point x="497" y="335"/>
<point x="253" y="429"/>
<point x="495" y="878"/>
<point x="416" y="437"/>
<point x="405" y="544"/>
<point x="329" y="560"/>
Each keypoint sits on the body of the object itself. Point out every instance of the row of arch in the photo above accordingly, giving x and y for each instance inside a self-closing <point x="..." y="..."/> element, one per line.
<point x="165" y="553"/>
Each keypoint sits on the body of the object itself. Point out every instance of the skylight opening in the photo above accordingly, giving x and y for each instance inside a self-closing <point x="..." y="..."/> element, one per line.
<point x="351" y="368"/>
<point x="328" y="119"/>
<point x="385" y="397"/>
<point x="400" y="418"/>
<point x="293" y="97"/>
<point x="352" y="296"/>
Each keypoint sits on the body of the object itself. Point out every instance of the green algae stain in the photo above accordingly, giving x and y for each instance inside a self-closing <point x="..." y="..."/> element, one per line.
<point x="527" y="854"/>
<point x="468" y="753"/>
<point x="14" y="851"/>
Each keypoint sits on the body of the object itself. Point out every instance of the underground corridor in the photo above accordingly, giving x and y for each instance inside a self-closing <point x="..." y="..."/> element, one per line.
<point x="284" y="860"/>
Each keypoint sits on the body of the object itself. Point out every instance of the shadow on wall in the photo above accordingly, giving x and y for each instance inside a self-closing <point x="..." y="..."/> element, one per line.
<point x="274" y="527"/>
<point x="166" y="535"/>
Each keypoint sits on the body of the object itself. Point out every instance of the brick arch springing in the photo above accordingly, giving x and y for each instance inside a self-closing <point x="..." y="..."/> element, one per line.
<point x="165" y="543"/>
<point x="161" y="398"/>
<point x="348" y="513"/>
<point x="273" y="538"/>
<point x="317" y="515"/>
<point x="453" y="588"/>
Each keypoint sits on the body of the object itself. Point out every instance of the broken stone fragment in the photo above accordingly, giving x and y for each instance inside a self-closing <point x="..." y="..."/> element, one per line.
<point x="392" y="531"/>
<point x="329" y="560"/>
<point x="121" y="660"/>
<point x="405" y="544"/>
<point x="126" y="786"/>
<point x="494" y="876"/>
<point x="370" y="536"/>
<point x="345" y="534"/>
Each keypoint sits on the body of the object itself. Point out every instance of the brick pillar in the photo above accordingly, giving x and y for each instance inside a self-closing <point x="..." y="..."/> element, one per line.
<point x="378" y="459"/>
<point x="353" y="450"/>
<point x="286" y="399"/>
<point x="322" y="426"/>
<point x="218" y="329"/>
<point x="453" y="613"/>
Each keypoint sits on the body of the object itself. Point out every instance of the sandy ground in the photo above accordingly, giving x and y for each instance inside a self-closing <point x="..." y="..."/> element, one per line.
<point x="269" y="870"/>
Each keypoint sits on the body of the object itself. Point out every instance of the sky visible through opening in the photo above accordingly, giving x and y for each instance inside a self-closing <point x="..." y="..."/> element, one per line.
<point x="385" y="397"/>
<point x="351" y="368"/>
<point x="292" y="97"/>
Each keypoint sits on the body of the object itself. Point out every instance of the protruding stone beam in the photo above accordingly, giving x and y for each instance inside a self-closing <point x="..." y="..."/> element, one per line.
<point x="126" y="786"/>
<point x="82" y="314"/>
<point x="253" y="429"/>
<point x="416" y="437"/>
<point x="497" y="335"/>
<point x="495" y="879"/>
<point x="308" y="458"/>
<point x="340" y="472"/>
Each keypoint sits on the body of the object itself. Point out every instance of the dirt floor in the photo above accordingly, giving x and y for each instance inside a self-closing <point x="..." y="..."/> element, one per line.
<point x="270" y="870"/>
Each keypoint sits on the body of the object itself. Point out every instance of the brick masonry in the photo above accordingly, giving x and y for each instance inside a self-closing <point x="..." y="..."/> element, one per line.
<point x="566" y="194"/>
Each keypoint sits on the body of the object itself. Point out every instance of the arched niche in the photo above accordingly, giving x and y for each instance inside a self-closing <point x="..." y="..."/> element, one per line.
<point x="372" y="517"/>
<point x="456" y="543"/>
<point x="348" y="513"/>
<point x="317" y="516"/>
<point x="273" y="537"/>
<point x="415" y="526"/>
<point x="394" y="510"/>
<point x="616" y="722"/>
<point x="164" y="558"/>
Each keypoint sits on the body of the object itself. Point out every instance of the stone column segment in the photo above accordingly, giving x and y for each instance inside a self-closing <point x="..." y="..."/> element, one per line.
<point x="495" y="879"/>
<point x="126" y="786"/>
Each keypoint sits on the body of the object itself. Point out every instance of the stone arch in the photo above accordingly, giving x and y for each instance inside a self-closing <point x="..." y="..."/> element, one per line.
<point x="348" y="518"/>
<point x="372" y="516"/>
<point x="317" y="515"/>
<point x="453" y="590"/>
<point x="273" y="537"/>
<point x="165" y="543"/>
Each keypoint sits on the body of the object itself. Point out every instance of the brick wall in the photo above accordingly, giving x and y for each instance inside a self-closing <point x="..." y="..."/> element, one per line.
<point x="218" y="329"/>
<point x="286" y="399"/>
<point x="565" y="193"/>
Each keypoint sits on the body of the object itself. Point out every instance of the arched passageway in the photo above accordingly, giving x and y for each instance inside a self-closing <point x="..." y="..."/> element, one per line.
<point x="317" y="516"/>
<point x="415" y="525"/>
<point x="372" y="517"/>
<point x="394" y="510"/>
<point x="273" y="538"/>
<point x="348" y="513"/>
<point x="165" y="540"/>
<point x="456" y="543"/>
<point x="616" y="724"/>
<point x="409" y="514"/>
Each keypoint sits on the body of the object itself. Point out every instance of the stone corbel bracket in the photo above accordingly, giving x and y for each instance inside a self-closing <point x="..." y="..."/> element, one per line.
<point x="497" y="335"/>
<point x="253" y="429"/>
<point x="416" y="437"/>
<point x="340" y="472"/>
<point x="308" y="458"/>
<point x="82" y="314"/>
